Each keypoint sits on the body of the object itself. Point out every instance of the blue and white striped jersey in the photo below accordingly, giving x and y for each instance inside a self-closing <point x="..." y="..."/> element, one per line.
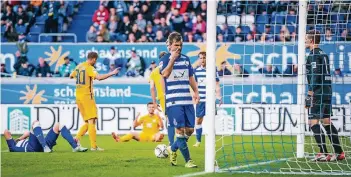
<point x="177" y="84"/>
<point x="21" y="146"/>
<point x="200" y="75"/>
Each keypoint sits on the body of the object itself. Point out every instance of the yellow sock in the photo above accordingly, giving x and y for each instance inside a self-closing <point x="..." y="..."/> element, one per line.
<point x="126" y="137"/>
<point x="82" y="130"/>
<point x="92" y="135"/>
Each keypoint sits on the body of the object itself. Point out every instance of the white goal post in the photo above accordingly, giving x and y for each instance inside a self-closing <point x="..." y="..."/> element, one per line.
<point x="210" y="140"/>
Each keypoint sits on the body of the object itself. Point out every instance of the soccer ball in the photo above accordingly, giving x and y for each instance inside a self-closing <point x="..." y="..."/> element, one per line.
<point x="161" y="151"/>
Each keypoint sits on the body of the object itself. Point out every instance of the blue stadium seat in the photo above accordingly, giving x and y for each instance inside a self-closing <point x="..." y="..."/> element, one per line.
<point x="46" y="39"/>
<point x="67" y="39"/>
<point x="20" y="29"/>
<point x="245" y="29"/>
<point x="291" y="28"/>
<point x="3" y="28"/>
<point x="333" y="27"/>
<point x="3" y="39"/>
<point x="262" y="19"/>
<point x="260" y="28"/>
<point x="277" y="19"/>
<point x="41" y="19"/>
<point x="32" y="37"/>
<point x="232" y="28"/>
<point x="337" y="18"/>
<point x="218" y="29"/>
<point x="320" y="27"/>
<point x="291" y="19"/>
<point x="277" y="29"/>
<point x="36" y="29"/>
<point x="341" y="27"/>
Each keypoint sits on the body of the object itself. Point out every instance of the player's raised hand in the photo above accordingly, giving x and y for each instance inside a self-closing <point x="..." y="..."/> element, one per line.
<point x="175" y="54"/>
<point x="116" y="71"/>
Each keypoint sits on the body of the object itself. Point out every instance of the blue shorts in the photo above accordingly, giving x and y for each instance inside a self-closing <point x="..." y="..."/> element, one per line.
<point x="201" y="109"/>
<point x="35" y="146"/>
<point x="181" y="116"/>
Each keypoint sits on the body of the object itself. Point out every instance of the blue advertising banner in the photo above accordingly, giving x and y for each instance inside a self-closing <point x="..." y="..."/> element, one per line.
<point x="127" y="91"/>
<point x="251" y="56"/>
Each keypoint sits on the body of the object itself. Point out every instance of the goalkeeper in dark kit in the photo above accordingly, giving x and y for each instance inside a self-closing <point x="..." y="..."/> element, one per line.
<point x="319" y="99"/>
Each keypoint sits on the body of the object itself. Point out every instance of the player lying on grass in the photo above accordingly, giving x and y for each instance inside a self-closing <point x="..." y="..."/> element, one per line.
<point x="152" y="124"/>
<point x="34" y="141"/>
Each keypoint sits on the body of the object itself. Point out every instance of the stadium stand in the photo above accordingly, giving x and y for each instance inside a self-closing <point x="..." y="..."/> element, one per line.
<point x="165" y="16"/>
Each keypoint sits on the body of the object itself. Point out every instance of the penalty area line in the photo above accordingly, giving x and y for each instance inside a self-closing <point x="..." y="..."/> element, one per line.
<point x="234" y="168"/>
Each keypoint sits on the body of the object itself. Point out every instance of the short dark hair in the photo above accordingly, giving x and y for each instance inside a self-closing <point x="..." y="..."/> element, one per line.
<point x="202" y="53"/>
<point x="149" y="103"/>
<point x="92" y="55"/>
<point x="174" y="36"/>
<point x="314" y="35"/>
<point x="162" y="54"/>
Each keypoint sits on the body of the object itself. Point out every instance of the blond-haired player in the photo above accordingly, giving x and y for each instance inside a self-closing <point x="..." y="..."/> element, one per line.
<point x="151" y="122"/>
<point x="84" y="74"/>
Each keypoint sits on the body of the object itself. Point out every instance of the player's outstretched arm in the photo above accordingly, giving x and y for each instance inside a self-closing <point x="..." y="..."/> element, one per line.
<point x="24" y="136"/>
<point x="73" y="74"/>
<point x="105" y="76"/>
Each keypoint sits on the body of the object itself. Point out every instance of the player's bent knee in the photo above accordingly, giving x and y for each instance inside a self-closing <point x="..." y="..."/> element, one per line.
<point x="189" y="131"/>
<point x="199" y="120"/>
<point x="313" y="122"/>
<point x="92" y="120"/>
<point x="180" y="131"/>
<point x="56" y="128"/>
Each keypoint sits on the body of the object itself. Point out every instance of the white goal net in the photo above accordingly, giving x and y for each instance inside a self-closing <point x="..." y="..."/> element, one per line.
<point x="262" y="125"/>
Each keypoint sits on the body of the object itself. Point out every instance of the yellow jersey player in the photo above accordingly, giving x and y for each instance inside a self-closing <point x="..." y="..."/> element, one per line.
<point x="84" y="74"/>
<point x="156" y="81"/>
<point x="152" y="123"/>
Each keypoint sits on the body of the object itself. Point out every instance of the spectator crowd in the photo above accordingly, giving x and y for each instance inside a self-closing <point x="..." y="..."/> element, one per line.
<point x="33" y="17"/>
<point x="237" y="21"/>
<point x="150" y="21"/>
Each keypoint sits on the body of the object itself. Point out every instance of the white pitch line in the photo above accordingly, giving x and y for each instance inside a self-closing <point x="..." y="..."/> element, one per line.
<point x="235" y="168"/>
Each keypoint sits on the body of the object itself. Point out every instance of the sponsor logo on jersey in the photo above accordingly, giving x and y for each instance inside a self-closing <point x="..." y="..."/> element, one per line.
<point x="314" y="65"/>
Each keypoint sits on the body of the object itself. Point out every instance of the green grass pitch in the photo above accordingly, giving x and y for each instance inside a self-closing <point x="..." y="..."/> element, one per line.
<point x="138" y="159"/>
